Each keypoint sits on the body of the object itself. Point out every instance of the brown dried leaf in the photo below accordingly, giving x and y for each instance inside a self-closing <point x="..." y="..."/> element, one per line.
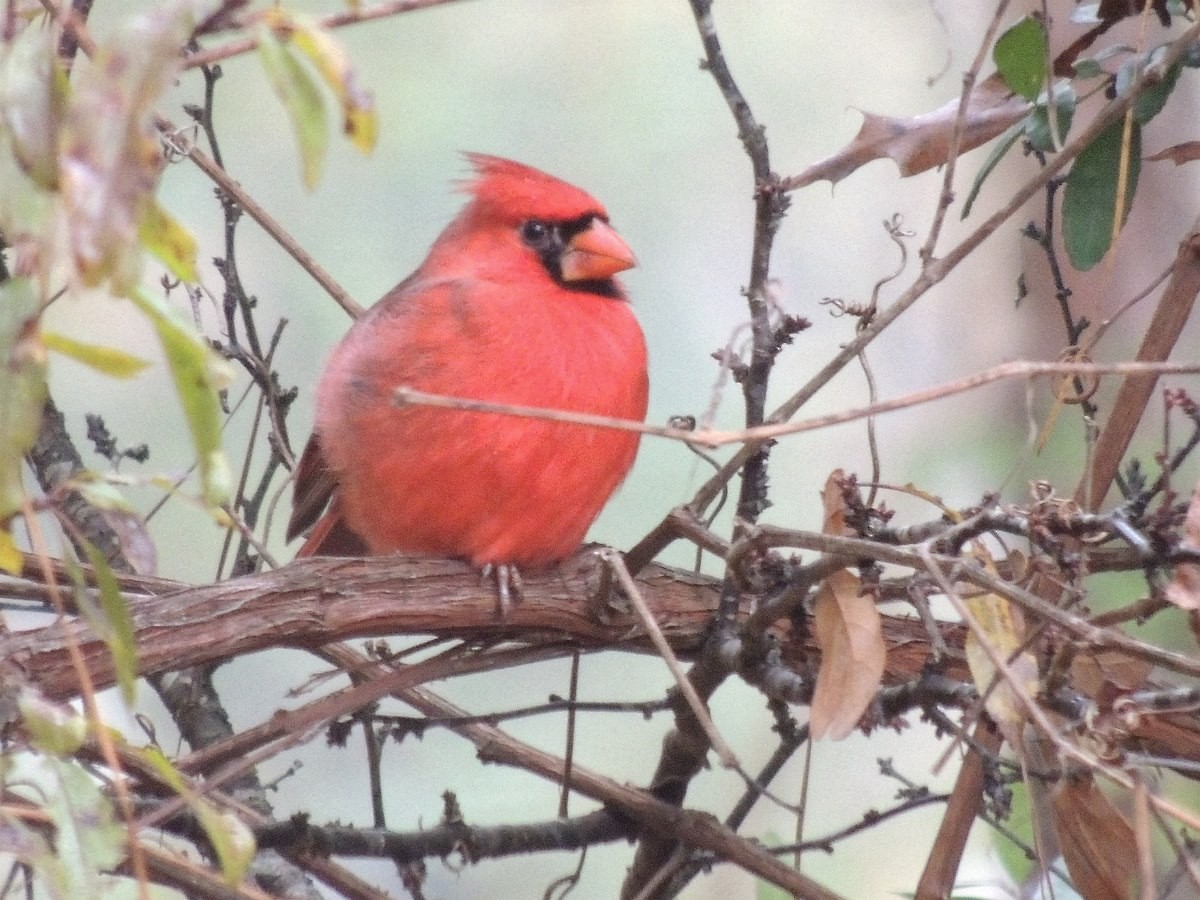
<point x="1184" y="589"/>
<point x="923" y="141"/>
<point x="1096" y="840"/>
<point x="111" y="161"/>
<point x="1105" y="675"/>
<point x="1188" y="151"/>
<point x="1111" y="11"/>
<point x="848" y="629"/>
<point x="833" y="502"/>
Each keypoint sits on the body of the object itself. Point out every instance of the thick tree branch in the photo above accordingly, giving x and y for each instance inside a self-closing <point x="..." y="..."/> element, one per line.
<point x="311" y="603"/>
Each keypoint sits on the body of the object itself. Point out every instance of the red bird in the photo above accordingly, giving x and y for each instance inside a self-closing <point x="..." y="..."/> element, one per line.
<point x="516" y="303"/>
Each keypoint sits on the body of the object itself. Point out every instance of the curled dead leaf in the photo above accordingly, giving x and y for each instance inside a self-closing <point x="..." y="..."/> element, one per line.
<point x="833" y="502"/>
<point x="1188" y="151"/>
<point x="923" y="141"/>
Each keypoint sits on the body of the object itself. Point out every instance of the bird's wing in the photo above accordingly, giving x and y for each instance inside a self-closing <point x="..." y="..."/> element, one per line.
<point x="312" y="489"/>
<point x="315" y="506"/>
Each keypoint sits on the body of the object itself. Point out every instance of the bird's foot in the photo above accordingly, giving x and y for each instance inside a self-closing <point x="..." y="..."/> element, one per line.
<point x="507" y="580"/>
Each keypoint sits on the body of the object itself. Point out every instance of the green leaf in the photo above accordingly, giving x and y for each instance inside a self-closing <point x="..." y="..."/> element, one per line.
<point x="91" y="613"/>
<point x="198" y="374"/>
<point x="1150" y="102"/>
<point x="172" y="244"/>
<point x="107" y="360"/>
<point x="1087" y="67"/>
<point x="22" y="385"/>
<point x="88" y="836"/>
<point x="1020" y="55"/>
<point x="1037" y="125"/>
<point x="231" y="839"/>
<point x="1003" y="144"/>
<point x="1090" y="200"/>
<point x="121" y="638"/>
<point x="53" y="728"/>
<point x="301" y="99"/>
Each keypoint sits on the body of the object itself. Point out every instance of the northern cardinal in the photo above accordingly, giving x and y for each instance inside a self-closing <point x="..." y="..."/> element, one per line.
<point x="515" y="303"/>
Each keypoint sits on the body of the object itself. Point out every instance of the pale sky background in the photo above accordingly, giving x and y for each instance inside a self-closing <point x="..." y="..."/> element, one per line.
<point x="608" y="94"/>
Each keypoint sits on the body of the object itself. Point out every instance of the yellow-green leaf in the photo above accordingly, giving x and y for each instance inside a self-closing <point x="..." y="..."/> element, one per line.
<point x="121" y="638"/>
<point x="53" y="728"/>
<point x="108" y="360"/>
<point x="197" y="372"/>
<point x="100" y="494"/>
<point x="172" y="244"/>
<point x="11" y="558"/>
<point x="89" y="836"/>
<point x="1003" y="627"/>
<point x="359" y="122"/>
<point x="230" y="838"/>
<point x="301" y="99"/>
<point x="22" y="385"/>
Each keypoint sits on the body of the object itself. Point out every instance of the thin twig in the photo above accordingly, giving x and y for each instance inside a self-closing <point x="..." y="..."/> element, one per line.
<point x="719" y="438"/>
<point x="699" y="710"/>
<point x="352" y="16"/>
<point x="946" y="197"/>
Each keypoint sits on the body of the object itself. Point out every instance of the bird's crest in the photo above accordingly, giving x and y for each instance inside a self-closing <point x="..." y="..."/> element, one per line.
<point x="510" y="190"/>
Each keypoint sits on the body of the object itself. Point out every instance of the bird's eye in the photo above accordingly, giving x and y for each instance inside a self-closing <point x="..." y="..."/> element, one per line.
<point x="534" y="232"/>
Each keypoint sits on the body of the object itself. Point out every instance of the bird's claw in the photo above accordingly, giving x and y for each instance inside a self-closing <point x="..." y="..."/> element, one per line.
<point x="507" y="581"/>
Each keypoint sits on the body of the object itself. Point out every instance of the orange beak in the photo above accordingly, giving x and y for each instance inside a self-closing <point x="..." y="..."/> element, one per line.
<point x="596" y="253"/>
